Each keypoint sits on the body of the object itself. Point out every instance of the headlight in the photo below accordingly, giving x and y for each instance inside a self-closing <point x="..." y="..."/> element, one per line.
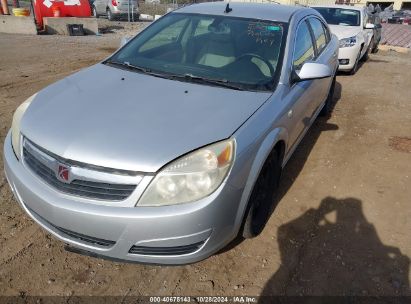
<point x="191" y="177"/>
<point x="15" y="126"/>
<point x="348" y="42"/>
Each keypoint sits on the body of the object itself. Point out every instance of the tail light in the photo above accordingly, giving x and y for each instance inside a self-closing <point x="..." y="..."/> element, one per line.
<point x="114" y="2"/>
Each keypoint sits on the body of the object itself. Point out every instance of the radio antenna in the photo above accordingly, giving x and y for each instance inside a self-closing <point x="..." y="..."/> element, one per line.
<point x="228" y="8"/>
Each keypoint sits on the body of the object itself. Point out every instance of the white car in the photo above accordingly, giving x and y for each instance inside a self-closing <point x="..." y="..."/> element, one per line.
<point x="354" y="31"/>
<point x="115" y="9"/>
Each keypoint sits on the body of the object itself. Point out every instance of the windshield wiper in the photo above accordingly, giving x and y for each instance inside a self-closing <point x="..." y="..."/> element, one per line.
<point x="129" y="66"/>
<point x="218" y="82"/>
<point x="186" y="77"/>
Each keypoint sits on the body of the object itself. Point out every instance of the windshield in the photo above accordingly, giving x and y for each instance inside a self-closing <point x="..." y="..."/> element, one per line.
<point x="215" y="50"/>
<point x="340" y="16"/>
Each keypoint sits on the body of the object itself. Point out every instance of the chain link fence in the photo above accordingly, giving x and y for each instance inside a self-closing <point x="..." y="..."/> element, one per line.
<point x="160" y="7"/>
<point x="291" y="2"/>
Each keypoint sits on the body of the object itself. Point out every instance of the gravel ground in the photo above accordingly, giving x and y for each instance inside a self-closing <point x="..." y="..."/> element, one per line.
<point x="341" y="226"/>
<point x="112" y="29"/>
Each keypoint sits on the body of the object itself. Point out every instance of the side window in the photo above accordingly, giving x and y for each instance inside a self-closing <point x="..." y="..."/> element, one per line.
<point x="319" y="34"/>
<point x="303" y="48"/>
<point x="365" y="20"/>
<point x="327" y="32"/>
<point x="167" y="35"/>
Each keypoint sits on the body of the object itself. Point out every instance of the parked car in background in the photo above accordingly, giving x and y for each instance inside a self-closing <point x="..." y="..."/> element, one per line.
<point x="115" y="9"/>
<point x="174" y="145"/>
<point x="400" y="17"/>
<point x="91" y="2"/>
<point x="375" y="19"/>
<point x="354" y="30"/>
<point x="389" y="15"/>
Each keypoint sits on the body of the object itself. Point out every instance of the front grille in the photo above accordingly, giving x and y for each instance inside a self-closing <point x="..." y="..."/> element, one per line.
<point x="176" y="250"/>
<point x="83" y="188"/>
<point x="75" y="235"/>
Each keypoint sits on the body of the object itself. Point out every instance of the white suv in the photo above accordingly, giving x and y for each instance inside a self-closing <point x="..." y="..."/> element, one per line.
<point x="352" y="27"/>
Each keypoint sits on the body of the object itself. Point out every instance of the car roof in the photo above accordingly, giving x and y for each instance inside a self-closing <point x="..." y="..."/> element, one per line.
<point x="355" y="8"/>
<point x="264" y="11"/>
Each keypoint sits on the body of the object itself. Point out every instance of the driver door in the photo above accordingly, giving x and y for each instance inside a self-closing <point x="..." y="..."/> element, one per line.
<point x="301" y="96"/>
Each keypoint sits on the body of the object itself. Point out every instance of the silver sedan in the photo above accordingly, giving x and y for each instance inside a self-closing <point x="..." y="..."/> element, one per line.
<point x="174" y="145"/>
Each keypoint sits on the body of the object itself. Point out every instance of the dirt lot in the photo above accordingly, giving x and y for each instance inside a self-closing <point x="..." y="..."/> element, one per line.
<point x="341" y="226"/>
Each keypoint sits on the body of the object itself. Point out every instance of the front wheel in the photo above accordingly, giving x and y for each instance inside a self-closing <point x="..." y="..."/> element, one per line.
<point x="326" y="110"/>
<point x="262" y="197"/>
<point x="355" y="67"/>
<point x="369" y="50"/>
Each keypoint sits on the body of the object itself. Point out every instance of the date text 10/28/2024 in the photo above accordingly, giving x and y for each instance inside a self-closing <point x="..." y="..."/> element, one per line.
<point x="203" y="299"/>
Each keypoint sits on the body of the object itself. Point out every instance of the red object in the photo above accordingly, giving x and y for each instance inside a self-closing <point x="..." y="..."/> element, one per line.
<point x="50" y="8"/>
<point x="4" y="7"/>
<point x="63" y="173"/>
<point x="56" y="11"/>
<point x="114" y="2"/>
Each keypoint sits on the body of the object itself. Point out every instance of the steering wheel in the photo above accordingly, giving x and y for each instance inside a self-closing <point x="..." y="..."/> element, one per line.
<point x="252" y="55"/>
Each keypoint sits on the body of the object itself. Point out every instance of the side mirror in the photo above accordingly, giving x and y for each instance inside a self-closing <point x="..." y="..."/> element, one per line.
<point x="369" y="26"/>
<point x="312" y="70"/>
<point x="124" y="41"/>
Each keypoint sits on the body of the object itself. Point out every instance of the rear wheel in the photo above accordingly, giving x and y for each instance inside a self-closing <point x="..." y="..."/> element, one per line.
<point x="375" y="48"/>
<point x="262" y="197"/>
<point x="94" y="11"/>
<point x="110" y="15"/>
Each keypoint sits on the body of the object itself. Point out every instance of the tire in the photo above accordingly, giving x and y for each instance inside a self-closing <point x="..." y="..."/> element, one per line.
<point x="94" y="11"/>
<point x="262" y="197"/>
<point x="355" y="67"/>
<point x="110" y="15"/>
<point x="369" y="50"/>
<point x="375" y="48"/>
<point x="326" y="110"/>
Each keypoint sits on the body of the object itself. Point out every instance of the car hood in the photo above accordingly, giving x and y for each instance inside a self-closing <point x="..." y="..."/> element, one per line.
<point x="343" y="31"/>
<point x="120" y="119"/>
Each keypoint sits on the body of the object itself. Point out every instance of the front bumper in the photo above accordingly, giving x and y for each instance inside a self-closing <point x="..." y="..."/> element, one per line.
<point x="350" y="54"/>
<point x="209" y="223"/>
